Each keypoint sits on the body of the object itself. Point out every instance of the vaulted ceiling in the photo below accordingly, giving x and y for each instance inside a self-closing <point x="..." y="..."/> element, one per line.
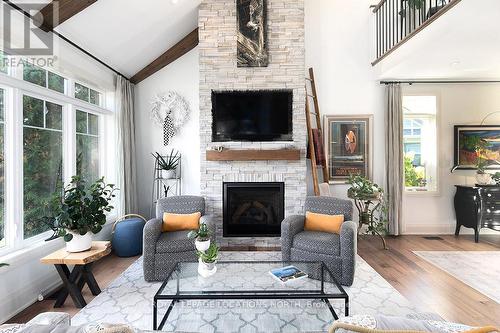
<point x="128" y="34"/>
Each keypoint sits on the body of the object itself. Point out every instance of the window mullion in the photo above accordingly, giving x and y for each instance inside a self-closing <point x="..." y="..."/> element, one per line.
<point x="69" y="142"/>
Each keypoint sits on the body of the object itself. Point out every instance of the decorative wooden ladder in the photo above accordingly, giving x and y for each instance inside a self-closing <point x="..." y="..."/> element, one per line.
<point x="312" y="152"/>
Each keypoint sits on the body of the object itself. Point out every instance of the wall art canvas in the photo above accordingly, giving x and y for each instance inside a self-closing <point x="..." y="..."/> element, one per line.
<point x="465" y="139"/>
<point x="348" y="146"/>
<point x="252" y="33"/>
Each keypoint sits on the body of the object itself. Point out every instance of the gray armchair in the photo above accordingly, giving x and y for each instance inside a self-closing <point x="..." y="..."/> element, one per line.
<point x="161" y="251"/>
<point x="338" y="252"/>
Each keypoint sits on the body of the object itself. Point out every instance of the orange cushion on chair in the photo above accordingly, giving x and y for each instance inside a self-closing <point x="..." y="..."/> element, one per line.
<point x="179" y="222"/>
<point x="323" y="222"/>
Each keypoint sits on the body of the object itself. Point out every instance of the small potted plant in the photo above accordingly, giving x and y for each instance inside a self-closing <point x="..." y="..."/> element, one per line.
<point x="201" y="236"/>
<point x="168" y="165"/>
<point x="207" y="260"/>
<point x="78" y="211"/>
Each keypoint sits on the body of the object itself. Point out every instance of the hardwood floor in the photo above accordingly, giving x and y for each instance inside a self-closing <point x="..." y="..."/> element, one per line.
<point x="427" y="286"/>
<point x="423" y="284"/>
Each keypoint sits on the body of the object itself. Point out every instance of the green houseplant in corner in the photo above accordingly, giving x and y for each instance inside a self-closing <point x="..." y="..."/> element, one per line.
<point x="78" y="211"/>
<point x="369" y="201"/>
<point x="168" y="164"/>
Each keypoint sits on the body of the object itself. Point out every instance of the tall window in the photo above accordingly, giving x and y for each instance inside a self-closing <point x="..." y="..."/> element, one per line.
<point x="87" y="94"/>
<point x="2" y="174"/>
<point x="42" y="156"/>
<point x="420" y="143"/>
<point x="87" y="145"/>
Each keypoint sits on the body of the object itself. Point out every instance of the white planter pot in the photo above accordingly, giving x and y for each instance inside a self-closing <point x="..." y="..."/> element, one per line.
<point x="483" y="178"/>
<point x="202" y="246"/>
<point x="206" y="269"/>
<point x="79" y="243"/>
<point x="168" y="174"/>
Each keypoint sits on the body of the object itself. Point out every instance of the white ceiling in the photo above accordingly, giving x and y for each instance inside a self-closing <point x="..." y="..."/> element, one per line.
<point x="464" y="43"/>
<point x="129" y="34"/>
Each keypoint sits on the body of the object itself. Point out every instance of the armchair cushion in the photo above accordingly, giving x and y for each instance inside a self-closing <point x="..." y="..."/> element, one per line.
<point x="317" y="242"/>
<point x="323" y="222"/>
<point x="179" y="222"/>
<point x="174" y="241"/>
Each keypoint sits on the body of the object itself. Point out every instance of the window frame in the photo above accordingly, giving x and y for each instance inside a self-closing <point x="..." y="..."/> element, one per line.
<point x="415" y="92"/>
<point x="47" y="70"/>
<point x="89" y="87"/>
<point x="15" y="88"/>
<point x="100" y="139"/>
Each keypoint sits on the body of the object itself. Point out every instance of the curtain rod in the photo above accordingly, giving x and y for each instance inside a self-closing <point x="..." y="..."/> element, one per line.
<point x="19" y="9"/>
<point x="410" y="82"/>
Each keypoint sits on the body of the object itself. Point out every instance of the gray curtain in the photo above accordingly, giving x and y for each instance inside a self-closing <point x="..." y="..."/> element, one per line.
<point x="125" y="130"/>
<point x="394" y="156"/>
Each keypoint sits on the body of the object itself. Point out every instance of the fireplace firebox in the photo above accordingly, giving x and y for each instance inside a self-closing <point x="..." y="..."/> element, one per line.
<point x="253" y="209"/>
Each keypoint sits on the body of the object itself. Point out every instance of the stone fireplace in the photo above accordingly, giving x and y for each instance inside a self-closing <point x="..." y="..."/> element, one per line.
<point x="219" y="72"/>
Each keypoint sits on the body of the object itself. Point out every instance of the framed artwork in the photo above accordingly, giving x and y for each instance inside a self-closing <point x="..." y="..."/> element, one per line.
<point x="465" y="138"/>
<point x="348" y="146"/>
<point x="252" y="33"/>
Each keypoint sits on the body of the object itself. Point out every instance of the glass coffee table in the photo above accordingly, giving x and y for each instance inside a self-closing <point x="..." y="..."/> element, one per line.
<point x="247" y="280"/>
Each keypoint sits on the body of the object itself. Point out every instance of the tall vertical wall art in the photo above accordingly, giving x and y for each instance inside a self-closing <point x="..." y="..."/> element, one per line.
<point x="252" y="33"/>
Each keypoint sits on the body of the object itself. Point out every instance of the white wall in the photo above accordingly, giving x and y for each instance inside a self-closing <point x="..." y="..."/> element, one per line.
<point x="338" y="47"/>
<point x="181" y="76"/>
<point x="459" y="104"/>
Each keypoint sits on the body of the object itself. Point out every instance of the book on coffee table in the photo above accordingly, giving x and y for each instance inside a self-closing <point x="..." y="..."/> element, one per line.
<point x="287" y="274"/>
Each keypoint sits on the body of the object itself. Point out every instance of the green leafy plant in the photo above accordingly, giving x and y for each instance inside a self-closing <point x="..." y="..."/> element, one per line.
<point x="202" y="233"/>
<point x="81" y="208"/>
<point x="496" y="177"/>
<point x="371" y="205"/>
<point x="170" y="162"/>
<point x="209" y="256"/>
<point x="412" y="177"/>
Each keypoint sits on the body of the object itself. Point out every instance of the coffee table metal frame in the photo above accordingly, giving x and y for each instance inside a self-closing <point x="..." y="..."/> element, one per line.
<point x="250" y="294"/>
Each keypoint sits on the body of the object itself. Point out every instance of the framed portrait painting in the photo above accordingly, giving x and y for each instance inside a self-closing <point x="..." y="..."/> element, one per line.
<point x="466" y="140"/>
<point x="348" y="146"/>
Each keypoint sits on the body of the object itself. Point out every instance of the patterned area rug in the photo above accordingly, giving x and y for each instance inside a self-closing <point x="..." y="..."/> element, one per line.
<point x="128" y="300"/>
<point x="478" y="269"/>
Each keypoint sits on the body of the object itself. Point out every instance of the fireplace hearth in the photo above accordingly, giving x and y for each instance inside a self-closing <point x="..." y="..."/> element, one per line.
<point x="253" y="209"/>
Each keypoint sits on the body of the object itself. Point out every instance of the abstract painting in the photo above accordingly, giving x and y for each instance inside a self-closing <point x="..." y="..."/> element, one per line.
<point x="466" y="138"/>
<point x="252" y="33"/>
<point x="348" y="146"/>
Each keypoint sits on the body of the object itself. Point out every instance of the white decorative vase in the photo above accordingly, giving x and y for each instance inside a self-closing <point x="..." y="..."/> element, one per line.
<point x="79" y="243"/>
<point x="483" y="178"/>
<point x="168" y="174"/>
<point x="206" y="269"/>
<point x="202" y="245"/>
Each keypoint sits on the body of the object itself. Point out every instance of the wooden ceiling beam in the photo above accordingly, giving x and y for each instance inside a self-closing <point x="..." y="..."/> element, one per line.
<point x="175" y="52"/>
<point x="64" y="10"/>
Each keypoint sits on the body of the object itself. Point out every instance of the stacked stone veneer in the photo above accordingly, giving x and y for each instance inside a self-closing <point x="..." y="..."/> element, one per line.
<point x="218" y="71"/>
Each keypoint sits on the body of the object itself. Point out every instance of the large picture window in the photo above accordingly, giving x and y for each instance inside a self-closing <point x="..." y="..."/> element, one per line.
<point x="42" y="156"/>
<point x="87" y="145"/>
<point x="420" y="142"/>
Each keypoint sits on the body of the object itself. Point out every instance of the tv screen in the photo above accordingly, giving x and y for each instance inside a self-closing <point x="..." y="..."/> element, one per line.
<point x="261" y="115"/>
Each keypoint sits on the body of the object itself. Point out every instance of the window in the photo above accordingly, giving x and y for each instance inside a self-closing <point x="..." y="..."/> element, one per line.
<point x="2" y="174"/>
<point x="420" y="143"/>
<point x="87" y="145"/>
<point x="42" y="156"/>
<point x="44" y="78"/>
<point x="3" y="62"/>
<point x="87" y="94"/>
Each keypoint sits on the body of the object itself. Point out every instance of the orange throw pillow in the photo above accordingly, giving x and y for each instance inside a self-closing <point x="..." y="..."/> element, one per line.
<point x="179" y="222"/>
<point x="323" y="222"/>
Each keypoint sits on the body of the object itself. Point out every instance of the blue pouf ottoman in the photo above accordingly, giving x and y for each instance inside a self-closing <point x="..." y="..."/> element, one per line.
<point x="127" y="236"/>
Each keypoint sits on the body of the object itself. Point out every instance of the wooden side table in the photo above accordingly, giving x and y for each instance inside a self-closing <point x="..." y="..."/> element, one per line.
<point x="73" y="281"/>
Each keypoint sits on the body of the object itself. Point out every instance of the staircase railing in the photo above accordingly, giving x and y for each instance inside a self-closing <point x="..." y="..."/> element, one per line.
<point x="396" y="21"/>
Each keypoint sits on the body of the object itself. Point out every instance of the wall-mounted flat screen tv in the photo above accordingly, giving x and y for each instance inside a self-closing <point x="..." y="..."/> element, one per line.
<point x="257" y="115"/>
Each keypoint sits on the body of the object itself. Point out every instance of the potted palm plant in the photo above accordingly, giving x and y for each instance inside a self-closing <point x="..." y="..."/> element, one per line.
<point x="207" y="260"/>
<point x="201" y="236"/>
<point x="168" y="165"/>
<point x="78" y="211"/>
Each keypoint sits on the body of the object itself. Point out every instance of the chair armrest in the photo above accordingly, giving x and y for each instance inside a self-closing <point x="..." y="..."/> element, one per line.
<point x="51" y="318"/>
<point x="152" y="231"/>
<point x="210" y="222"/>
<point x="348" y="249"/>
<point x="290" y="226"/>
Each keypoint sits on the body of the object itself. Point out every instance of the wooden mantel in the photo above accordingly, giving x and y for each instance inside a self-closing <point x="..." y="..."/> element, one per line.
<point x="254" y="155"/>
